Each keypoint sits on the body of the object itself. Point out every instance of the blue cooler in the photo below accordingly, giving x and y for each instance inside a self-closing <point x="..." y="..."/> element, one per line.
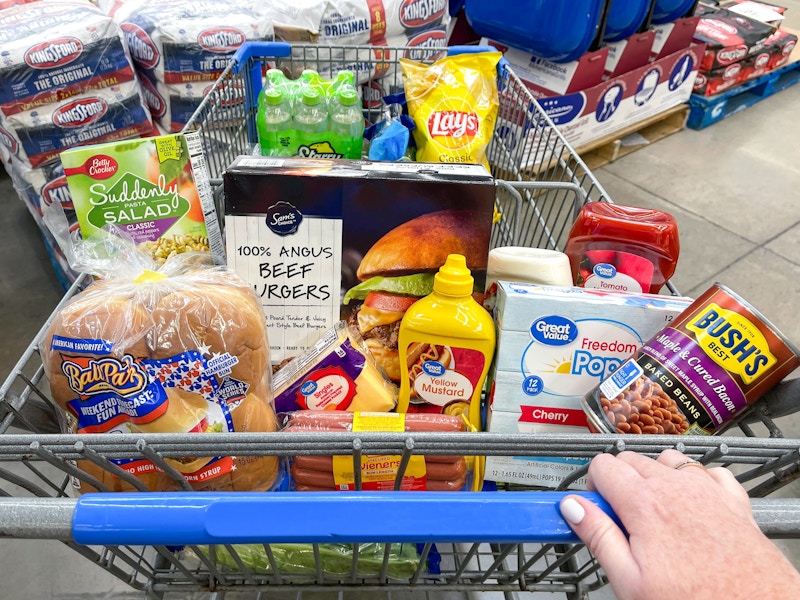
<point x="667" y="11"/>
<point x="455" y="7"/>
<point x="625" y="17"/>
<point x="555" y="30"/>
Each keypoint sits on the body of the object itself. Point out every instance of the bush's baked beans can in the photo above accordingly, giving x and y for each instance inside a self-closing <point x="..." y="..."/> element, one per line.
<point x="697" y="374"/>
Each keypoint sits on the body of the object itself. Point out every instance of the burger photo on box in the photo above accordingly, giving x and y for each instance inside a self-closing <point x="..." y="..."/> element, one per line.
<point x="398" y="270"/>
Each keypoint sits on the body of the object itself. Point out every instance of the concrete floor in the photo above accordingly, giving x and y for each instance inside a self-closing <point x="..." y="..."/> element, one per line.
<point x="734" y="189"/>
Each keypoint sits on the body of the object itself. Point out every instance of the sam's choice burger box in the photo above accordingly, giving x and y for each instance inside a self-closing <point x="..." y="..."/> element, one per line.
<point x="554" y="345"/>
<point x="298" y="229"/>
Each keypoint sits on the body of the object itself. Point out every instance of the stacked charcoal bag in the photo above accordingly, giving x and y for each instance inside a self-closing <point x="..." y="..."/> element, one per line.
<point x="180" y="47"/>
<point x="420" y="25"/>
<point x="67" y="80"/>
<point x="39" y="188"/>
<point x="739" y="46"/>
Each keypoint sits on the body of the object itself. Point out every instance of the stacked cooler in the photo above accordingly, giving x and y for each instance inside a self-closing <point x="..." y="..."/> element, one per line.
<point x="67" y="81"/>
<point x="596" y="66"/>
<point x="743" y="41"/>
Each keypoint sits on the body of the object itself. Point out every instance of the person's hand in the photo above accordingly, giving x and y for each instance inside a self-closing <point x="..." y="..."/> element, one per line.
<point x="691" y="533"/>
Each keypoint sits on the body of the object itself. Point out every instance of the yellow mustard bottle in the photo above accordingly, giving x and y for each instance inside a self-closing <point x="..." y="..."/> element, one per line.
<point x="446" y="344"/>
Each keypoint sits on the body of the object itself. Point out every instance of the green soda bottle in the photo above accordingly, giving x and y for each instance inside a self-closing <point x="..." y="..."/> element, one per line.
<point x="274" y="123"/>
<point x="310" y="119"/>
<point x="347" y="123"/>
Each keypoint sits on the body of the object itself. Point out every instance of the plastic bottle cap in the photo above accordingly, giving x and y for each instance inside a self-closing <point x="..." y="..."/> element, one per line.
<point x="310" y="75"/>
<point x="346" y="77"/>
<point x="275" y="75"/>
<point x="531" y="265"/>
<point x="347" y="97"/>
<point x="454" y="278"/>
<point x="273" y="97"/>
<point x="311" y="96"/>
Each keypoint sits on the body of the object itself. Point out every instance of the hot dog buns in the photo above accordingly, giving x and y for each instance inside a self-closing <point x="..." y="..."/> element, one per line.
<point x="186" y="353"/>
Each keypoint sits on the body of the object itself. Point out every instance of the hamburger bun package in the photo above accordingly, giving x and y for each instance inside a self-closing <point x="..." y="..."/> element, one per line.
<point x="176" y="348"/>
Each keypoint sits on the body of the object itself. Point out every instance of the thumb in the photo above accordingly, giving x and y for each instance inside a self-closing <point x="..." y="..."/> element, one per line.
<point x="601" y="534"/>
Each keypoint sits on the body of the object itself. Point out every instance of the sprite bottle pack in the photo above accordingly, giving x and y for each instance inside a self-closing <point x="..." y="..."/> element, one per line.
<point x="310" y="116"/>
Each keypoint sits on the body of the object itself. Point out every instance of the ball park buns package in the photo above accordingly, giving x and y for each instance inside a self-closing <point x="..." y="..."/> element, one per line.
<point x="324" y="240"/>
<point x="179" y="350"/>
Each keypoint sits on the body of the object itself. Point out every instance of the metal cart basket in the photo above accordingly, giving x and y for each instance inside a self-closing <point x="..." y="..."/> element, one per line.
<point x="157" y="544"/>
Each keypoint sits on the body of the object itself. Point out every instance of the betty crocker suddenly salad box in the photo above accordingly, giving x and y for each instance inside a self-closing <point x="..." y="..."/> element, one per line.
<point x="554" y="345"/>
<point x="156" y="191"/>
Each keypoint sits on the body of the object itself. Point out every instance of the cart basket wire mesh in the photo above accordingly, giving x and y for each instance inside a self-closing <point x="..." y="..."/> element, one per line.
<point x="510" y="541"/>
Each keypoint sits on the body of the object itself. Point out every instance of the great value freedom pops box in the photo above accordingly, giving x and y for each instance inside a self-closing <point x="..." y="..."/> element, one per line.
<point x="554" y="345"/>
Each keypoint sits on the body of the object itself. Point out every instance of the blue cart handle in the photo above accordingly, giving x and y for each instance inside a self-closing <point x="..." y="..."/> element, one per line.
<point x="174" y="519"/>
<point x="250" y="50"/>
<point x="260" y="50"/>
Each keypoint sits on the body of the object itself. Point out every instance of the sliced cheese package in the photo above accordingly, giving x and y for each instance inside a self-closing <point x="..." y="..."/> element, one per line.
<point x="336" y="373"/>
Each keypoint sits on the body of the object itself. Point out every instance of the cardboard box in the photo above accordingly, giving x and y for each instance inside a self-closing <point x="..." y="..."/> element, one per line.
<point x="629" y="54"/>
<point x="672" y="37"/>
<point x="298" y="229"/>
<point x="588" y="115"/>
<point x="555" y="344"/>
<point x="545" y="78"/>
<point x="155" y="190"/>
<point x="545" y="471"/>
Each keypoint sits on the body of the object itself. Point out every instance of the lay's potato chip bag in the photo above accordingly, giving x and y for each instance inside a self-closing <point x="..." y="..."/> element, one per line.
<point x="454" y="104"/>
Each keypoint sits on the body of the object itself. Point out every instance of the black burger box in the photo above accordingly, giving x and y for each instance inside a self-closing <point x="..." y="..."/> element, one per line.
<point x="301" y="232"/>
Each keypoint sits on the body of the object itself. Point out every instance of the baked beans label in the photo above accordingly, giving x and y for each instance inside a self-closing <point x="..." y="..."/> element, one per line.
<point x="733" y="342"/>
<point x="701" y="376"/>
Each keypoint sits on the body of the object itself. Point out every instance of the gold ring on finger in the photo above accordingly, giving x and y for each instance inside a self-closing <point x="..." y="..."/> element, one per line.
<point x="689" y="462"/>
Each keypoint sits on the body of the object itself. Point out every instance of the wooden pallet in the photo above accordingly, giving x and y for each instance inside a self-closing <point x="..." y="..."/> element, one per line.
<point x="707" y="110"/>
<point x="620" y="143"/>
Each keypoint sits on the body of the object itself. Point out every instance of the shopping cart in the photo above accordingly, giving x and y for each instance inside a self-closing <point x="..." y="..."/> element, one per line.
<point x="512" y="541"/>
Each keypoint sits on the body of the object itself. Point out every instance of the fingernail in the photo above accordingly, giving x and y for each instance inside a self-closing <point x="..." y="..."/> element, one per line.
<point x="572" y="511"/>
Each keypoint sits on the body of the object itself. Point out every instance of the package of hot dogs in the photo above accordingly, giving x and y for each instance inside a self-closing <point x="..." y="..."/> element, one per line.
<point x="423" y="472"/>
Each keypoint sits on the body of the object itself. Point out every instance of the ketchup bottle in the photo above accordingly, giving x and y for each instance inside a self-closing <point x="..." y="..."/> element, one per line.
<point x="620" y="248"/>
